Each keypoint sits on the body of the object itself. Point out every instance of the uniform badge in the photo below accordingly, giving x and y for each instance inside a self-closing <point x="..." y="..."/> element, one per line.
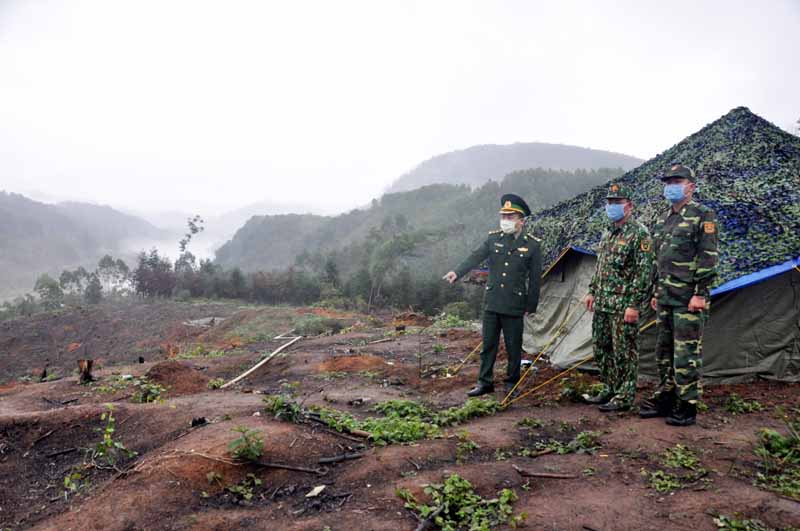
<point x="523" y="249"/>
<point x="507" y="205"/>
<point x="614" y="188"/>
<point x="645" y="245"/>
<point x="709" y="227"/>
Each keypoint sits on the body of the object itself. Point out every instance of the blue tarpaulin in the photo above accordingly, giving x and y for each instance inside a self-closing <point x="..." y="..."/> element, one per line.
<point x="731" y="285"/>
<point x="737" y="283"/>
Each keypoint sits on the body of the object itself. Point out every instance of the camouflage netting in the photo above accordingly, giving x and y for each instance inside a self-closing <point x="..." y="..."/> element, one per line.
<point x="748" y="172"/>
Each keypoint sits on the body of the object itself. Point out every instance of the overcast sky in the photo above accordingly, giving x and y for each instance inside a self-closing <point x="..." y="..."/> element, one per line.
<point x="204" y="106"/>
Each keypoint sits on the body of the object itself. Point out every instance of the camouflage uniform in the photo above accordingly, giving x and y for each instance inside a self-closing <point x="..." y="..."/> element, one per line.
<point x="621" y="280"/>
<point x="686" y="260"/>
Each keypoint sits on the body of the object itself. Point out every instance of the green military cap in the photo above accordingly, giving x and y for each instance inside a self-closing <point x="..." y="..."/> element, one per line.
<point x="512" y="203"/>
<point x="619" y="191"/>
<point x="679" y="170"/>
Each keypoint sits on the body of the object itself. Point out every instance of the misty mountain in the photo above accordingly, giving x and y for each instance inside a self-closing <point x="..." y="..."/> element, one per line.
<point x="476" y="165"/>
<point x="38" y="237"/>
<point x="457" y="212"/>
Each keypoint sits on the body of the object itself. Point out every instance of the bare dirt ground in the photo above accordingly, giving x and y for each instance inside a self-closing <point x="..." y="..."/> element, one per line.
<point x="179" y="476"/>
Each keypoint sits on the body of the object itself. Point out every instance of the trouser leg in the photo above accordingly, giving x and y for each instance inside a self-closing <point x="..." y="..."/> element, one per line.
<point x="665" y="349"/>
<point x="603" y="347"/>
<point x="624" y="368"/>
<point x="491" y="339"/>
<point x="512" y="336"/>
<point x="688" y="333"/>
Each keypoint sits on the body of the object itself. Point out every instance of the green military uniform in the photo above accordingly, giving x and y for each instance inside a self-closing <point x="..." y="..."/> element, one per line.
<point x="512" y="289"/>
<point x="686" y="259"/>
<point x="621" y="280"/>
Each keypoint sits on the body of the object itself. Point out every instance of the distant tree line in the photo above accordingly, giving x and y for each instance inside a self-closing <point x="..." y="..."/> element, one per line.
<point x="383" y="276"/>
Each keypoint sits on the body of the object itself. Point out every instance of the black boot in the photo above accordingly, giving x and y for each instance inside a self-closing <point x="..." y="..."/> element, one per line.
<point x="684" y="414"/>
<point x="481" y="389"/>
<point x="659" y="405"/>
<point x="614" y="405"/>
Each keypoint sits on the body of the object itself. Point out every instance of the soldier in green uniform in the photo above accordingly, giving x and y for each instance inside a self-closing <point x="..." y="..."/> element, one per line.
<point x="512" y="290"/>
<point x="619" y="289"/>
<point x="685" y="241"/>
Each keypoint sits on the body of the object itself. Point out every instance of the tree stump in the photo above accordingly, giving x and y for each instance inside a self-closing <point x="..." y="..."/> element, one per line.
<point x="85" y="369"/>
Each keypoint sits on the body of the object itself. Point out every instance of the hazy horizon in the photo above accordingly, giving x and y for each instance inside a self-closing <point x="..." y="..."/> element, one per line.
<point x="189" y="107"/>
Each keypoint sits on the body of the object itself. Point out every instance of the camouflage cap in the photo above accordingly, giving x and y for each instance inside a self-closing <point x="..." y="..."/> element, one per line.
<point x="619" y="191"/>
<point x="679" y="170"/>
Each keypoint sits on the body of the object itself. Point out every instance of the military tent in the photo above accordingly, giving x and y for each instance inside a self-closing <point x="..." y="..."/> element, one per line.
<point x="749" y="173"/>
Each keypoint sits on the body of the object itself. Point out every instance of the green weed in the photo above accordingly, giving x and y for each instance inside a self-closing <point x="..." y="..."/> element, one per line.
<point x="245" y="489"/>
<point x="455" y="505"/>
<point x="216" y="383"/>
<point x="737" y="405"/>
<point x="780" y="460"/>
<point x="248" y="446"/>
<point x="109" y="449"/>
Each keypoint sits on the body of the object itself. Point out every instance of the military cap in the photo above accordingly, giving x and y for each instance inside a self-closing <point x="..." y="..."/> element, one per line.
<point x="619" y="191"/>
<point x="512" y="203"/>
<point x="679" y="170"/>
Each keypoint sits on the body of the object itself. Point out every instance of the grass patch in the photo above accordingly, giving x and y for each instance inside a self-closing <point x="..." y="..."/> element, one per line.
<point x="738" y="405"/>
<point x="465" y="446"/>
<point x="454" y="504"/>
<point x="199" y="351"/>
<point x="683" y="468"/>
<point x="780" y="460"/>
<point x="400" y="421"/>
<point x="727" y="523"/>
<point x="147" y="392"/>
<point x="315" y="325"/>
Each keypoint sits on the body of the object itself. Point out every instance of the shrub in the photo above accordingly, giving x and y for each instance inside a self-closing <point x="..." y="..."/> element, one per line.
<point x="249" y="445"/>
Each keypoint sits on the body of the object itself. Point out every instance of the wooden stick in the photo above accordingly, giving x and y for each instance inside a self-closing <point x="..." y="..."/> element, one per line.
<point x="384" y="340"/>
<point x="461" y="365"/>
<point x="340" y="458"/>
<point x="428" y="522"/>
<point x="43" y="437"/>
<point x="318" y="471"/>
<point x="60" y="452"/>
<point x="548" y="475"/>
<point x="557" y="376"/>
<point x="262" y="362"/>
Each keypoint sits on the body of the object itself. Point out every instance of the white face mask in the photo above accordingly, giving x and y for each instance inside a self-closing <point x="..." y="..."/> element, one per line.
<point x="509" y="226"/>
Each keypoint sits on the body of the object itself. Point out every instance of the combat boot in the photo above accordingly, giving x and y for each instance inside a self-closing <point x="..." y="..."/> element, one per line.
<point x="684" y="414"/>
<point x="598" y="399"/>
<point x="659" y="405"/>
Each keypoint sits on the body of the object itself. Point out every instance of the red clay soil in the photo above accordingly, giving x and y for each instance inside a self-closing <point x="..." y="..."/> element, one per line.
<point x="109" y="334"/>
<point x="181" y="475"/>
<point x="180" y="378"/>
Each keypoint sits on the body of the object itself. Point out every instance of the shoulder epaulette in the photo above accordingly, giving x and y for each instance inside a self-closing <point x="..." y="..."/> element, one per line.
<point x="498" y="231"/>
<point x="531" y="236"/>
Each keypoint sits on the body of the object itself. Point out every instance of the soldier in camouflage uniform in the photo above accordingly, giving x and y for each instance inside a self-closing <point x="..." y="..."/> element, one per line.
<point x="685" y="240"/>
<point x="619" y="289"/>
<point x="512" y="290"/>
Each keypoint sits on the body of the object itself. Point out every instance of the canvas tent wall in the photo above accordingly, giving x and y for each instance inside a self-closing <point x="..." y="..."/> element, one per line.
<point x="753" y="329"/>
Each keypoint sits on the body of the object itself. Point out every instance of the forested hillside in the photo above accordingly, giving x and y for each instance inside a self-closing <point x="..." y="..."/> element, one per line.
<point x="403" y="241"/>
<point x="476" y="165"/>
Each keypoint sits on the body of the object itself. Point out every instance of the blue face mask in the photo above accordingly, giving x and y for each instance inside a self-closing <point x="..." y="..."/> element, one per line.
<point x="615" y="211"/>
<point x="674" y="193"/>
